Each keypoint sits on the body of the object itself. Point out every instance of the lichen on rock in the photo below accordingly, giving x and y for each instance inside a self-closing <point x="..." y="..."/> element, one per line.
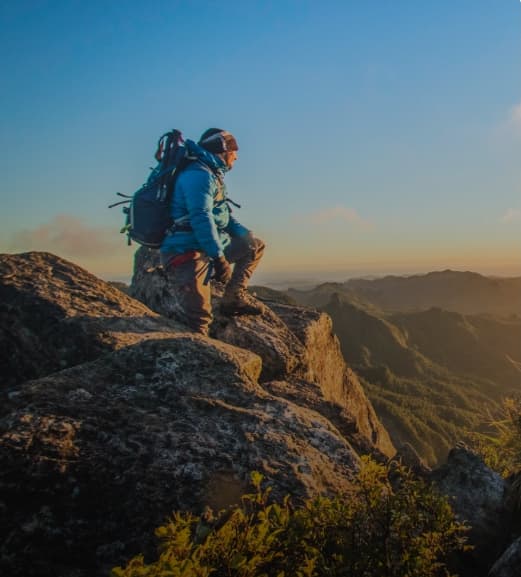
<point x="114" y="415"/>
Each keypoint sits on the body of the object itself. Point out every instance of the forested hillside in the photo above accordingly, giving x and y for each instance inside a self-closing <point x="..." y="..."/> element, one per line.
<point x="433" y="375"/>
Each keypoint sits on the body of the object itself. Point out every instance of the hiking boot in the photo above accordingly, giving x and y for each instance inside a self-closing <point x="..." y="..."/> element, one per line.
<point x="240" y="302"/>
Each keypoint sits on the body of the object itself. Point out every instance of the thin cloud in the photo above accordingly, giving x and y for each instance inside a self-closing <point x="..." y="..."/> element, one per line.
<point x="515" y="115"/>
<point x="512" y="215"/>
<point x="68" y="235"/>
<point x="335" y="214"/>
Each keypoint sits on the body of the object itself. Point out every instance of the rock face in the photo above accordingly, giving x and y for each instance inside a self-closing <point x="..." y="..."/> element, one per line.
<point x="477" y="495"/>
<point x="54" y="315"/>
<point x="129" y="416"/>
<point x="296" y="344"/>
<point x="509" y="564"/>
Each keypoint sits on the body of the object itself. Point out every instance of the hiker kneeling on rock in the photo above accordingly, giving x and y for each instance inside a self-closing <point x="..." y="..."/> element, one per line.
<point x="205" y="237"/>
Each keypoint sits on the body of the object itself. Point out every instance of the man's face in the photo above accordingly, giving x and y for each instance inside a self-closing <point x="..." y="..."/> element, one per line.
<point x="229" y="157"/>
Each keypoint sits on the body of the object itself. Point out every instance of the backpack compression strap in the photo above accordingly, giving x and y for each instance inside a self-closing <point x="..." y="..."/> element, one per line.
<point x="166" y="144"/>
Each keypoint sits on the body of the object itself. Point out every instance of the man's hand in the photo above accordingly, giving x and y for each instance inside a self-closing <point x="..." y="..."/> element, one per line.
<point x="222" y="270"/>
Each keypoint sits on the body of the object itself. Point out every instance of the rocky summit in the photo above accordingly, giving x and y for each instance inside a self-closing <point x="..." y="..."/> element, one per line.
<point x="114" y="415"/>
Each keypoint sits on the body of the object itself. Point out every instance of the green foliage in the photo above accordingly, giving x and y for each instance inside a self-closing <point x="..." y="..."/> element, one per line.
<point x="500" y="448"/>
<point x="425" y="414"/>
<point x="389" y="525"/>
<point x="431" y="375"/>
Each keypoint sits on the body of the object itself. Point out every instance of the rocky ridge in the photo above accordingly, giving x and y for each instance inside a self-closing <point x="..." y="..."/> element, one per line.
<point x="122" y="416"/>
<point x="114" y="415"/>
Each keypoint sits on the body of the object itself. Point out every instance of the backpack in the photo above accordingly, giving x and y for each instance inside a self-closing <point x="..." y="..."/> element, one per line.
<point x="148" y="212"/>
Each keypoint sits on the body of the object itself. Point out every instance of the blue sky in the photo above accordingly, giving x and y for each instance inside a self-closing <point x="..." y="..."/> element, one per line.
<point x="375" y="135"/>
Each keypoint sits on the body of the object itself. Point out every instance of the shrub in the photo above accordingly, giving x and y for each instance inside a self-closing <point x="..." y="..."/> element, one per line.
<point x="500" y="448"/>
<point x="389" y="525"/>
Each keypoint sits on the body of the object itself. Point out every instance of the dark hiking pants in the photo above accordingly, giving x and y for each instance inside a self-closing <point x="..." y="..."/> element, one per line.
<point x="190" y="280"/>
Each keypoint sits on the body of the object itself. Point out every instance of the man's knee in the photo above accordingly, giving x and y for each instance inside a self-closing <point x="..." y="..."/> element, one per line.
<point x="257" y="243"/>
<point x="244" y="249"/>
<point x="257" y="246"/>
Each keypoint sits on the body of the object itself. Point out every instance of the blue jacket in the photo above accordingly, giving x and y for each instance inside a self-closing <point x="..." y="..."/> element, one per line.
<point x="199" y="208"/>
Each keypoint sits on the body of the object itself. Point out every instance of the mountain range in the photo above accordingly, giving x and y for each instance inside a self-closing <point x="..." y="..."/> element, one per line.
<point x="456" y="291"/>
<point x="437" y="353"/>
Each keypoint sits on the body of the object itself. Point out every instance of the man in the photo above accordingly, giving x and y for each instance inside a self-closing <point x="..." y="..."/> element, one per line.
<point x="206" y="237"/>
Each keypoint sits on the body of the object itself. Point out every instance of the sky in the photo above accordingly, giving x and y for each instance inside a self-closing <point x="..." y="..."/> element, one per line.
<point x="375" y="136"/>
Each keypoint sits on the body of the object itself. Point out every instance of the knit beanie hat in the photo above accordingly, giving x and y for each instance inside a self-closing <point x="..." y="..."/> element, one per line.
<point x="217" y="140"/>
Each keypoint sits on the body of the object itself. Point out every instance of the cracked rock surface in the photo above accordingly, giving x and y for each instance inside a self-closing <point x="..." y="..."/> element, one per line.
<point x="113" y="416"/>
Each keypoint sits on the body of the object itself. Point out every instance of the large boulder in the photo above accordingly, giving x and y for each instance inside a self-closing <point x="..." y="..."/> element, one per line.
<point x="477" y="495"/>
<point x="147" y="418"/>
<point x="55" y="315"/>
<point x="94" y="457"/>
<point x="509" y="564"/>
<point x="297" y="346"/>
